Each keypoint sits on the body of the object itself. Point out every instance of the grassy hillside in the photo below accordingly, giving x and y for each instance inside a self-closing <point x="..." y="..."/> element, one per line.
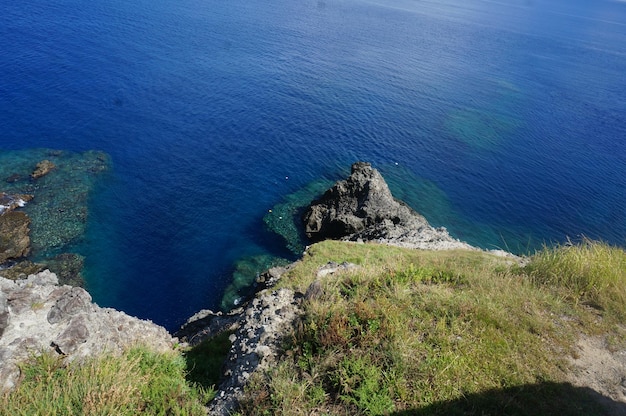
<point x="138" y="382"/>
<point x="458" y="332"/>
<point x="408" y="333"/>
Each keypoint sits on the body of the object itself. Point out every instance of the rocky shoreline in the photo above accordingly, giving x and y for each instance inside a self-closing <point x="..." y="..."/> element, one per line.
<point x="43" y="210"/>
<point x="37" y="314"/>
<point x="359" y="209"/>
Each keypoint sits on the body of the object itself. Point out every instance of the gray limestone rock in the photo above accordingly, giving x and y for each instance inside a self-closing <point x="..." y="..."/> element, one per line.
<point x="314" y="291"/>
<point x="37" y="315"/>
<point x="259" y="329"/>
<point x="72" y="302"/>
<point x="4" y="313"/>
<point x="73" y="335"/>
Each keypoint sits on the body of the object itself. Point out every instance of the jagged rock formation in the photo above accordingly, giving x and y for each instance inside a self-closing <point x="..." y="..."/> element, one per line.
<point x="37" y="316"/>
<point x="358" y="208"/>
<point x="257" y="333"/>
<point x="14" y="235"/>
<point x="361" y="208"/>
<point x="42" y="169"/>
<point x="9" y="202"/>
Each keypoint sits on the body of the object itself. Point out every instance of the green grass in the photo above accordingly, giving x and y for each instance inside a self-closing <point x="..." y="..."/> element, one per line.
<point x="409" y="332"/>
<point x="459" y="332"/>
<point x="204" y="361"/>
<point x="138" y="382"/>
<point x="591" y="272"/>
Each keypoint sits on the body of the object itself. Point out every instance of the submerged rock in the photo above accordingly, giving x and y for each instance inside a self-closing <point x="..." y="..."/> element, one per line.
<point x="258" y="332"/>
<point x="362" y="208"/>
<point x="9" y="202"/>
<point x="246" y="278"/>
<point x="13" y="178"/>
<point x="59" y="211"/>
<point x="284" y="217"/>
<point x="43" y="168"/>
<point x="39" y="316"/>
<point x="68" y="267"/>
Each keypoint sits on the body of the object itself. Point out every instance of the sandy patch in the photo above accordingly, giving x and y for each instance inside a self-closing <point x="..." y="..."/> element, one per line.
<point x="602" y="370"/>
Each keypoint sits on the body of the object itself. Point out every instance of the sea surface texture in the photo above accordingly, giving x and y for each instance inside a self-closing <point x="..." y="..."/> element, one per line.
<point x="504" y="121"/>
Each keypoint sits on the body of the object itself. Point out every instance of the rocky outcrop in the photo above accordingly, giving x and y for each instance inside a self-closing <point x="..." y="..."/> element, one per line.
<point x="42" y="169"/>
<point x="14" y="235"/>
<point x="258" y="330"/>
<point x="37" y="316"/>
<point x="362" y="208"/>
<point x="358" y="208"/>
<point x="9" y="202"/>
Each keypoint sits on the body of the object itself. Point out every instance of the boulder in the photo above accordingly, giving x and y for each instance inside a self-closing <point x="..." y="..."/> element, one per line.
<point x="351" y="205"/>
<point x="362" y="208"/>
<point x="14" y="238"/>
<point x="71" y="302"/>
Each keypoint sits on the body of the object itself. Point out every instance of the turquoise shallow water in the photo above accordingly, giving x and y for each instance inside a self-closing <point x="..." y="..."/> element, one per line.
<point x="503" y="121"/>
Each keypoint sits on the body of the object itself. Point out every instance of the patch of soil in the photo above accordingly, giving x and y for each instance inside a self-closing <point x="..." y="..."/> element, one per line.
<point x="603" y="370"/>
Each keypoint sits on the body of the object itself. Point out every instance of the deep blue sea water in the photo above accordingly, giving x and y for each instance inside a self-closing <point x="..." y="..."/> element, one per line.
<point x="504" y="121"/>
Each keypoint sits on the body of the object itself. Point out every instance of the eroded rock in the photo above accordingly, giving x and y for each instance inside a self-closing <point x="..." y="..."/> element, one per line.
<point x="37" y="315"/>
<point x="258" y="333"/>
<point x="10" y="202"/>
<point x="14" y="238"/>
<point x="43" y="168"/>
<point x="74" y="301"/>
<point x="362" y="208"/>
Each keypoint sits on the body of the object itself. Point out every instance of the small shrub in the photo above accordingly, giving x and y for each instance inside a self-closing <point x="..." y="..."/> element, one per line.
<point x="363" y="385"/>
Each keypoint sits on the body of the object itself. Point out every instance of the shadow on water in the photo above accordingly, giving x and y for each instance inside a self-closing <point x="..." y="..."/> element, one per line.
<point x="546" y="398"/>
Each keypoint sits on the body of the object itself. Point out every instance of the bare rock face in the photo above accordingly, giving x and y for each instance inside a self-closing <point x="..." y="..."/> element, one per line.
<point x="14" y="238"/>
<point x="14" y="227"/>
<point x="37" y="315"/>
<point x="258" y="331"/>
<point x="362" y="208"/>
<point x="4" y="313"/>
<point x="9" y="202"/>
<point x="351" y="205"/>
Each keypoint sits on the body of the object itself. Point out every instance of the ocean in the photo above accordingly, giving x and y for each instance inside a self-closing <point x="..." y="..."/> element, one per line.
<point x="504" y="121"/>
